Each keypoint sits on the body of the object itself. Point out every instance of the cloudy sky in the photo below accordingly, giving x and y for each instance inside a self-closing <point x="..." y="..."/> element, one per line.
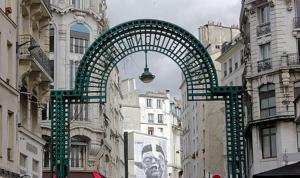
<point x="189" y="14"/>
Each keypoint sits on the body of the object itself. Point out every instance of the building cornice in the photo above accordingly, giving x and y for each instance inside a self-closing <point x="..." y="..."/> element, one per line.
<point x="270" y="120"/>
<point x="31" y="135"/>
<point x="8" y="18"/>
<point x="9" y="87"/>
<point x="72" y="9"/>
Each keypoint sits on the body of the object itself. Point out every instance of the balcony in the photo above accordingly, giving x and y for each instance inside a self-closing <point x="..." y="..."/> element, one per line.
<point x="264" y="65"/>
<point x="296" y="22"/>
<point x="29" y="46"/>
<point x="293" y="59"/>
<point x="263" y="29"/>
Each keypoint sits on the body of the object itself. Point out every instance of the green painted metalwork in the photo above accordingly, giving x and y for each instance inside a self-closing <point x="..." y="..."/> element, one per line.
<point x="132" y="37"/>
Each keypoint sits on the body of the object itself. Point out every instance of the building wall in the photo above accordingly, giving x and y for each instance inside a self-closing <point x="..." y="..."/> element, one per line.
<point x="97" y="126"/>
<point x="170" y="126"/>
<point x="34" y="83"/>
<point x="130" y="106"/>
<point x="203" y="122"/>
<point x="282" y="37"/>
<point x="8" y="96"/>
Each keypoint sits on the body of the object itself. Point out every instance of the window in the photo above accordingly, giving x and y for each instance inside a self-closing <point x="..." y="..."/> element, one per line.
<point x="35" y="165"/>
<point x="265" y="50"/>
<point x="44" y="112"/>
<point x="242" y="56"/>
<point x="267" y="100"/>
<point x="298" y="136"/>
<point x="150" y="130"/>
<point x="77" y="156"/>
<point x="46" y="162"/>
<point x="268" y="139"/>
<point x="158" y="104"/>
<point x="149" y="103"/>
<point x="76" y="4"/>
<point x="264" y="14"/>
<point x="79" y="38"/>
<point x="230" y="65"/>
<point x="73" y="69"/>
<point x="51" y="39"/>
<point x="225" y="69"/>
<point x="160" y="118"/>
<point x="11" y="131"/>
<point x="161" y="130"/>
<point x="296" y="89"/>
<point x="150" y="117"/>
<point x="10" y="61"/>
<point x="236" y="65"/>
<point x="23" y="159"/>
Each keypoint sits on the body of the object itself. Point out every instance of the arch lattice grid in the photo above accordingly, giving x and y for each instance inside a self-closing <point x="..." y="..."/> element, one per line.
<point x="136" y="36"/>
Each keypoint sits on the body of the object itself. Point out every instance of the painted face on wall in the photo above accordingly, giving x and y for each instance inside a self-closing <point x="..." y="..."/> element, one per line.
<point x="153" y="161"/>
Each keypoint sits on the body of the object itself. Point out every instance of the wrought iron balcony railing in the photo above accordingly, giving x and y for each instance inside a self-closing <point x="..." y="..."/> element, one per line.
<point x="293" y="59"/>
<point x="296" y="22"/>
<point x="264" y="65"/>
<point x="29" y="46"/>
<point x="263" y="29"/>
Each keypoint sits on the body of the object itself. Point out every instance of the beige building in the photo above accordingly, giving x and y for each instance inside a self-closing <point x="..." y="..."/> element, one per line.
<point x="34" y="82"/>
<point x="271" y="33"/>
<point x="96" y="129"/>
<point x="203" y="123"/>
<point x="9" y="144"/>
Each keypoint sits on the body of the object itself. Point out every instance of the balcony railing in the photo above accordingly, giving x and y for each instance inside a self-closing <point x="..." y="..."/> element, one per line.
<point x="264" y="65"/>
<point x="297" y="22"/>
<point x="293" y="59"/>
<point x="263" y="29"/>
<point x="29" y="46"/>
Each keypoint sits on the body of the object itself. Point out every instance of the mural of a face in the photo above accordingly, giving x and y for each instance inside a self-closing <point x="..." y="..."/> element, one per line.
<point x="153" y="161"/>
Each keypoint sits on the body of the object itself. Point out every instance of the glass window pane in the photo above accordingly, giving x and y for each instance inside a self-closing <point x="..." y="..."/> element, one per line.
<point x="272" y="112"/>
<point x="273" y="146"/>
<point x="272" y="102"/>
<point x="265" y="131"/>
<point x="264" y="103"/>
<point x="266" y="147"/>
<point x="264" y="113"/>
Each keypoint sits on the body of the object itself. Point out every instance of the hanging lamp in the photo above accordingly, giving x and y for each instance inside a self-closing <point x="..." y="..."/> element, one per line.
<point x="146" y="76"/>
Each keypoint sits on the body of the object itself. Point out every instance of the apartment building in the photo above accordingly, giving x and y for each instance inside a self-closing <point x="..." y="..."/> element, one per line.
<point x="96" y="129"/>
<point x="270" y="30"/>
<point x="9" y="143"/>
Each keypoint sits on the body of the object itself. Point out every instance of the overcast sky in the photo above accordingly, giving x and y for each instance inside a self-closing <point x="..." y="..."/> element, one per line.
<point x="189" y="14"/>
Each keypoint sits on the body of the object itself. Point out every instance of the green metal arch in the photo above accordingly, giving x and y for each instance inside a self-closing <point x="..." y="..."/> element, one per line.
<point x="117" y="43"/>
<point x="140" y="35"/>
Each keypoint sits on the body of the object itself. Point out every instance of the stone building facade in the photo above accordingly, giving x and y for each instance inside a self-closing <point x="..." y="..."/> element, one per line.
<point x="270" y="30"/>
<point x="96" y="129"/>
<point x="34" y="82"/>
<point x="203" y="123"/>
<point x="9" y="148"/>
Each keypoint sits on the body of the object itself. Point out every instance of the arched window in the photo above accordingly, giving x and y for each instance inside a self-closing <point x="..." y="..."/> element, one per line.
<point x="267" y="100"/>
<point x="79" y="38"/>
<point x="78" y="155"/>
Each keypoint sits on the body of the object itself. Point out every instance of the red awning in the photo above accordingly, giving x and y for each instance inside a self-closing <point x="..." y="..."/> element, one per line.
<point x="77" y="174"/>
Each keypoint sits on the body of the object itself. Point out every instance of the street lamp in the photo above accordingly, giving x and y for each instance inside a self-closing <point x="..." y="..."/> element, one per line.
<point x="146" y="76"/>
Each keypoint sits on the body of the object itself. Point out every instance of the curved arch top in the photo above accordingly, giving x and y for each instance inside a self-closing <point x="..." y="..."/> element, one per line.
<point x="151" y="35"/>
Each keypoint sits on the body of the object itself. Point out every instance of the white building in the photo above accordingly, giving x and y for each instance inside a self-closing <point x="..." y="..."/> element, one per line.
<point x="232" y="62"/>
<point x="9" y="142"/>
<point x="203" y="123"/>
<point x="160" y="117"/>
<point x="96" y="129"/>
<point x="271" y="33"/>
